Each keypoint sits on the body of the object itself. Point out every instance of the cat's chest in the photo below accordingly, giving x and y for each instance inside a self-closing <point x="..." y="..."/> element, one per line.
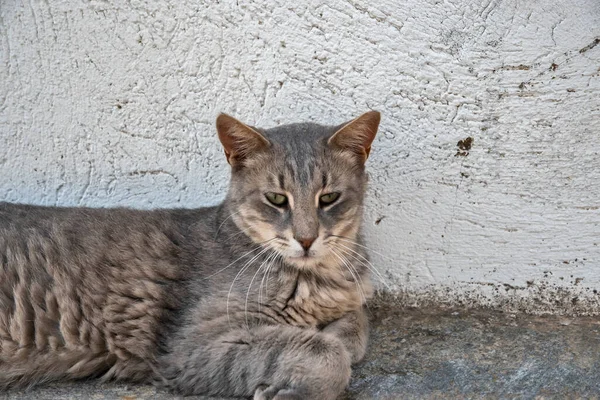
<point x="310" y="302"/>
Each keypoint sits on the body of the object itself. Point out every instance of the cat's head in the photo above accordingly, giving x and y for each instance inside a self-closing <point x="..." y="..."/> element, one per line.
<point x="298" y="189"/>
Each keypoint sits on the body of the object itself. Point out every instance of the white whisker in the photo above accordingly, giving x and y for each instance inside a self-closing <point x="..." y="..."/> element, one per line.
<point x="242" y="231"/>
<point x="365" y="263"/>
<point x="250" y="288"/>
<point x="349" y="267"/>
<point x="225" y="220"/>
<point x="262" y="281"/>
<point x="233" y="262"/>
<point x="361" y="245"/>
<point x="245" y="267"/>
<point x="268" y="275"/>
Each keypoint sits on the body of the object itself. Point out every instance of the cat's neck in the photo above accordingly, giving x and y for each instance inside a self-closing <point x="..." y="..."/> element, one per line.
<point x="312" y="298"/>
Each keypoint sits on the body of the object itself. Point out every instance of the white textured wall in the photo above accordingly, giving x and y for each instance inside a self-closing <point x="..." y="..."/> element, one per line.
<point x="104" y="104"/>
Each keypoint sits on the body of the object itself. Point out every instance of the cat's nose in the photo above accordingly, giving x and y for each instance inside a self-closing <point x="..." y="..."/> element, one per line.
<point x="306" y="242"/>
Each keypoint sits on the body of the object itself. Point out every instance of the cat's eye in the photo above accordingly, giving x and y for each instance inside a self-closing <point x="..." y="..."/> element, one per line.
<point x="329" y="198"/>
<point x="276" y="199"/>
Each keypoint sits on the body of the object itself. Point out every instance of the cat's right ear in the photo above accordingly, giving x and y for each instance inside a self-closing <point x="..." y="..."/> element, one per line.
<point x="238" y="139"/>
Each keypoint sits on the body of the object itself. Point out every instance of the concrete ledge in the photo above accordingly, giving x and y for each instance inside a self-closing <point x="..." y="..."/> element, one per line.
<point x="445" y="353"/>
<point x="440" y="353"/>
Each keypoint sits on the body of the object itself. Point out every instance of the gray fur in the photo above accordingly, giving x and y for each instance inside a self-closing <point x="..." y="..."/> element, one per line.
<point x="206" y="301"/>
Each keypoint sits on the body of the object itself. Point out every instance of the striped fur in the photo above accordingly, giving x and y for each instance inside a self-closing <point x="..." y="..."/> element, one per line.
<point x="207" y="301"/>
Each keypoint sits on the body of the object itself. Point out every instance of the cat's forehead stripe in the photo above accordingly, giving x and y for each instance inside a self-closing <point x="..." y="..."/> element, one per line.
<point x="306" y="173"/>
<point x="302" y="151"/>
<point x="290" y="169"/>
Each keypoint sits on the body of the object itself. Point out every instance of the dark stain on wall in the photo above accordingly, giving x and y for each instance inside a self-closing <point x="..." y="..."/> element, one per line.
<point x="464" y="146"/>
<point x="590" y="46"/>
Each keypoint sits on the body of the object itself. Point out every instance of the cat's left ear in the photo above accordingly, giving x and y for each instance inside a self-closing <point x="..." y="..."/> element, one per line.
<point x="357" y="135"/>
<point x="238" y="139"/>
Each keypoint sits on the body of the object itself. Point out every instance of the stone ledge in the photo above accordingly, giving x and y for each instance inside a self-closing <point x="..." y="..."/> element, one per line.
<point x="440" y="353"/>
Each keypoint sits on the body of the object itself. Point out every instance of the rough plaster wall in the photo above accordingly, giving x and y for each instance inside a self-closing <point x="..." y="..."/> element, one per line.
<point x="106" y="104"/>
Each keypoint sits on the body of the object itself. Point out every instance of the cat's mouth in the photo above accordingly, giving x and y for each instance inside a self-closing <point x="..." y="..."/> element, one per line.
<point x="304" y="255"/>
<point x="302" y="258"/>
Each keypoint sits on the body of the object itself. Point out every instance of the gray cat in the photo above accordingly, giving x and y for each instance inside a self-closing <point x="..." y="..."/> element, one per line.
<point x="260" y="296"/>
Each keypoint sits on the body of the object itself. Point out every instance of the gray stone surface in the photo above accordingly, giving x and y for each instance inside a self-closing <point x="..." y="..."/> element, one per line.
<point x="417" y="353"/>
<point x="440" y="353"/>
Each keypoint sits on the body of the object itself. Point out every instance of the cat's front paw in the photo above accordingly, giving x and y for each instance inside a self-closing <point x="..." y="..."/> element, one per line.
<point x="274" y="393"/>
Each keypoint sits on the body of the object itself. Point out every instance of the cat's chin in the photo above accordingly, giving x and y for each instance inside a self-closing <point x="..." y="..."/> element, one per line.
<point x="312" y="263"/>
<point x="304" y="262"/>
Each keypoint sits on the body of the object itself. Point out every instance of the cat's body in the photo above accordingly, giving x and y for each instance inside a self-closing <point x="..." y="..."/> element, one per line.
<point x="208" y="301"/>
